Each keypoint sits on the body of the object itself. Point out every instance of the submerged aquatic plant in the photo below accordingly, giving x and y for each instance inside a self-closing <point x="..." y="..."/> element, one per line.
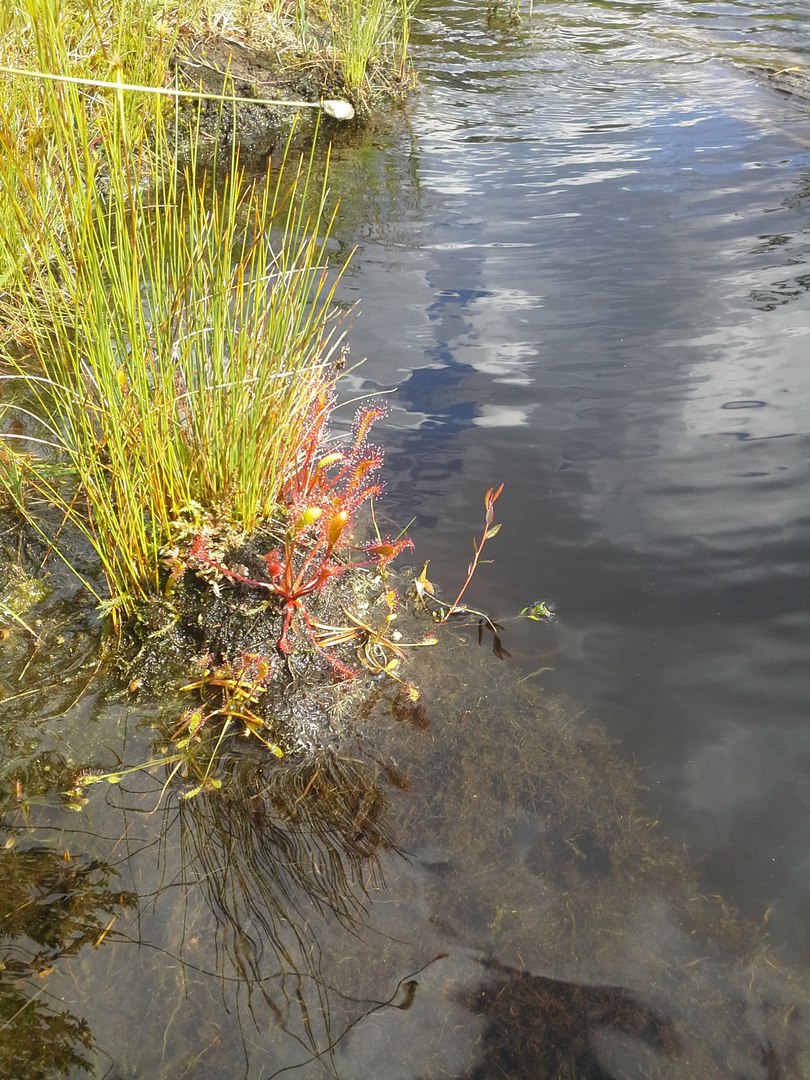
<point x="55" y="905"/>
<point x="506" y="13"/>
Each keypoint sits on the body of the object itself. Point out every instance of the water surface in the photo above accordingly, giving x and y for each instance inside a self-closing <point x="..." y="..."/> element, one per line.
<point x="591" y="282"/>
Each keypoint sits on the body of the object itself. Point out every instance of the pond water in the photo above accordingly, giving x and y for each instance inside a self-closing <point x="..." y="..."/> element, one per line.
<point x="582" y="263"/>
<point x="585" y="266"/>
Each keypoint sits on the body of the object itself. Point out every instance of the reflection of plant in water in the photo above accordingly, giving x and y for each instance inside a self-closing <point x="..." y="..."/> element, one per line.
<point x="53" y="905"/>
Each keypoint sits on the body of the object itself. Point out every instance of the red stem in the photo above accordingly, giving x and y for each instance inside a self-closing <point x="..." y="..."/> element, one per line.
<point x="489" y="502"/>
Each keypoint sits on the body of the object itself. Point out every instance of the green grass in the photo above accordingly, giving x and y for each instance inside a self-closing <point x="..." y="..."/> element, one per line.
<point x="366" y="41"/>
<point x="366" y="33"/>
<point x="177" y="338"/>
<point x="117" y="40"/>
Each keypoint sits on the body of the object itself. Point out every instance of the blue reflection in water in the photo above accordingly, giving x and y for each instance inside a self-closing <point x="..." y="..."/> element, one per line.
<point x="605" y="303"/>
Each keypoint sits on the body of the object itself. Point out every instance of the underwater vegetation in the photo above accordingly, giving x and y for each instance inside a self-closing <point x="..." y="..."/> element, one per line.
<point x="53" y="905"/>
<point x="462" y="884"/>
<point x="538" y="1027"/>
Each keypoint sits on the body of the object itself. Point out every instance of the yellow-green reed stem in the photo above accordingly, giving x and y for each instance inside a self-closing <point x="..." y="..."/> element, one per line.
<point x="365" y="32"/>
<point x="178" y="334"/>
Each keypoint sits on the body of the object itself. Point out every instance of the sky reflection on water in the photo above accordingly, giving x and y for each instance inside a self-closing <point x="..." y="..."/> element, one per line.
<point x="601" y="298"/>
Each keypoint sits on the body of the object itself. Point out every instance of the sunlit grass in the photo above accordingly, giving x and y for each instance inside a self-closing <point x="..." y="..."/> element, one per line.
<point x="368" y="32"/>
<point x="113" y="40"/>
<point x="101" y="39"/>
<point x="175" y="337"/>
<point x="366" y="41"/>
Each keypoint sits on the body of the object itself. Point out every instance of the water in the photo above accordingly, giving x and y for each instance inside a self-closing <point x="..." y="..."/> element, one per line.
<point x="581" y="263"/>
<point x="598" y="265"/>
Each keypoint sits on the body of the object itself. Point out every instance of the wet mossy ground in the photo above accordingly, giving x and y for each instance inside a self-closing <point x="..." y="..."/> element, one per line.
<point x="271" y="72"/>
<point x="211" y="622"/>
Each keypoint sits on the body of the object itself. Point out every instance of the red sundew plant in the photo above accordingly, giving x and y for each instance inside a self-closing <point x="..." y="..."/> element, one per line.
<point x="321" y="498"/>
